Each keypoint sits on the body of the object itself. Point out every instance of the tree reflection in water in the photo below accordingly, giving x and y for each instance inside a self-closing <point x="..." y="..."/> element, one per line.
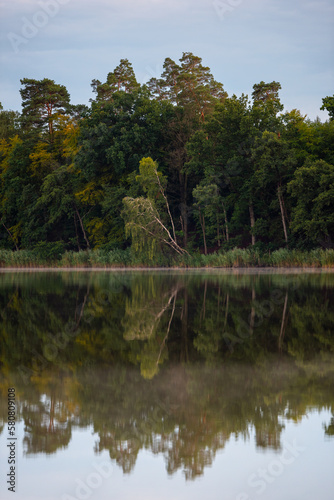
<point x="156" y="361"/>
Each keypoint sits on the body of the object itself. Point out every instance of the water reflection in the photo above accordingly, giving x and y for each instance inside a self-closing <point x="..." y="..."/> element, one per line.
<point x="186" y="413"/>
<point x="169" y="362"/>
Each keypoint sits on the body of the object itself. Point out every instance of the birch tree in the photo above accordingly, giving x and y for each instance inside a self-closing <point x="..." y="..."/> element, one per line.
<point x="148" y="220"/>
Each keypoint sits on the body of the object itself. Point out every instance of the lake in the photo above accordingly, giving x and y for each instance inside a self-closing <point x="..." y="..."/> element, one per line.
<point x="167" y="385"/>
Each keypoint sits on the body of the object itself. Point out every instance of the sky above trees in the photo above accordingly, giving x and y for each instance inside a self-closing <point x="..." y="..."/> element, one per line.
<point x="243" y="42"/>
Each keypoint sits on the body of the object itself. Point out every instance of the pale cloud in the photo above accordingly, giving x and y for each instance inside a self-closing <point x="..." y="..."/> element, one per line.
<point x="131" y="8"/>
<point x="285" y="40"/>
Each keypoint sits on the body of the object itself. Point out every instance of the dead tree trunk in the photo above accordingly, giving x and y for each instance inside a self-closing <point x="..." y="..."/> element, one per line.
<point x="226" y="223"/>
<point x="184" y="328"/>
<point x="184" y="215"/>
<point x="252" y="221"/>
<point x="82" y="226"/>
<point x="252" y="314"/>
<point x="283" y="323"/>
<point x="202" y="222"/>
<point x="281" y="204"/>
<point x="10" y="234"/>
<point x="76" y="232"/>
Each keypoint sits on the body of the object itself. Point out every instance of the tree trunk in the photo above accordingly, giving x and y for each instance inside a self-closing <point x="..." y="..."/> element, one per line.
<point x="184" y="215"/>
<point x="76" y="232"/>
<point x="167" y="205"/>
<point x="226" y="223"/>
<point x="82" y="226"/>
<point x="10" y="234"/>
<point x="281" y="204"/>
<point x="50" y="124"/>
<point x="51" y="131"/>
<point x="226" y="310"/>
<point x="184" y="327"/>
<point x="82" y="308"/>
<point x="252" y="220"/>
<point x="252" y="314"/>
<point x="168" y="329"/>
<point x="183" y="178"/>
<point x="202" y="315"/>
<point x="202" y="222"/>
<point x="51" y="427"/>
<point x="283" y="323"/>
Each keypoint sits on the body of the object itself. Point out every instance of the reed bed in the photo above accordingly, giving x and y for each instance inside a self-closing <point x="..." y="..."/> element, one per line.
<point x="235" y="258"/>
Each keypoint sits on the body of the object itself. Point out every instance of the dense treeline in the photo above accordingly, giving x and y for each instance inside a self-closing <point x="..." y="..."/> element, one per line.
<point x="173" y="167"/>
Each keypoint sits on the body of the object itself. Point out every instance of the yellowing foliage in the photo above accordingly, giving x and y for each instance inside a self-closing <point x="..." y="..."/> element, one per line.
<point x="67" y="134"/>
<point x="16" y="232"/>
<point x="6" y="149"/>
<point x="41" y="159"/>
<point x="97" y="229"/>
<point x="90" y="194"/>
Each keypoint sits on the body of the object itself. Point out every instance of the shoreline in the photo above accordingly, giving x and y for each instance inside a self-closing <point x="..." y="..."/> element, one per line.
<point x="234" y="270"/>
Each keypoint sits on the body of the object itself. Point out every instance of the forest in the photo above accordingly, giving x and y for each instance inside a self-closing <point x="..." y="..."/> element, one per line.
<point x="166" y="170"/>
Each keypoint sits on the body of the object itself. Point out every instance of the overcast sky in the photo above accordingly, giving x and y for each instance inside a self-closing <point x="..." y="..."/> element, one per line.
<point x="242" y="41"/>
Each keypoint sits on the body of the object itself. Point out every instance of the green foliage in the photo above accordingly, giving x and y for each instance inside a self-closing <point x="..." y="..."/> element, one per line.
<point x="9" y="124"/>
<point x="264" y="92"/>
<point x="42" y="101"/>
<point x="122" y="79"/>
<point x="189" y="84"/>
<point x="233" y="173"/>
<point x="145" y="219"/>
<point x="151" y="181"/>
<point x="313" y="191"/>
<point x="328" y="104"/>
<point x="141" y="223"/>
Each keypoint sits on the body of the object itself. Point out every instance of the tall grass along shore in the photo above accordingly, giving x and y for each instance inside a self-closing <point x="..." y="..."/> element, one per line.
<point x="235" y="258"/>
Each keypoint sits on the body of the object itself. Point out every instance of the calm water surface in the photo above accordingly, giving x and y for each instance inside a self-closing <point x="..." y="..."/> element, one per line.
<point x="168" y="385"/>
